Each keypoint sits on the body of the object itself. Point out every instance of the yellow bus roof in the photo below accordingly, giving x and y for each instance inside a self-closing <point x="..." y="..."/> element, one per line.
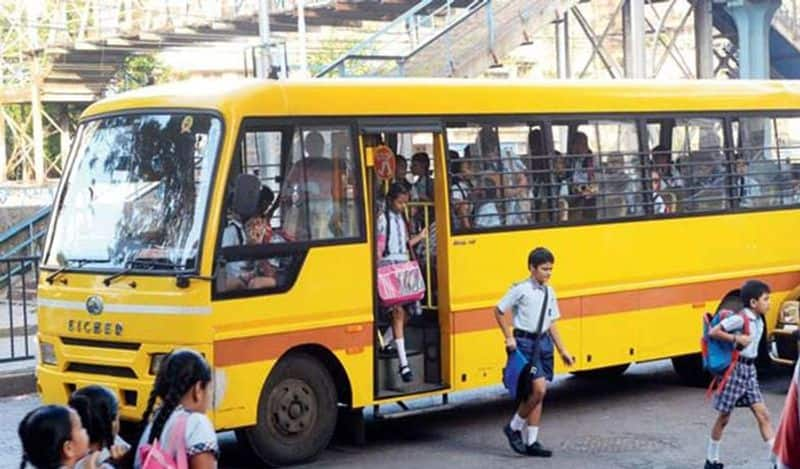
<point x="408" y="97"/>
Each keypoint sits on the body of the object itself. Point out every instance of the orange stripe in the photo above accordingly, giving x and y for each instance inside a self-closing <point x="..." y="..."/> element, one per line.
<point x="268" y="347"/>
<point x="619" y="302"/>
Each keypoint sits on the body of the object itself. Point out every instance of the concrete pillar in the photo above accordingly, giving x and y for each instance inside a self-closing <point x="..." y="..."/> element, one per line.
<point x="66" y="137"/>
<point x="703" y="39"/>
<point x="301" y="33"/>
<point x="264" y="69"/>
<point x="564" y="67"/>
<point x="633" y="35"/>
<point x="3" y="156"/>
<point x="38" y="130"/>
<point x="753" y="18"/>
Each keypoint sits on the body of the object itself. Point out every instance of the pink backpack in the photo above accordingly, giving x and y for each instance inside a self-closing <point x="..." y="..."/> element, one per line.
<point x="154" y="457"/>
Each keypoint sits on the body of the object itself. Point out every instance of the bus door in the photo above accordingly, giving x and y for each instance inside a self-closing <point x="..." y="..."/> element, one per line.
<point x="409" y="153"/>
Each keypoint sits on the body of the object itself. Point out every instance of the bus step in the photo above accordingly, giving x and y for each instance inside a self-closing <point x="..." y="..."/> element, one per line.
<point x="411" y="412"/>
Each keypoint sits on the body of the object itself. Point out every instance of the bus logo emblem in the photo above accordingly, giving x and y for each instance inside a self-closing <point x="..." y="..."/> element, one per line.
<point x="94" y="305"/>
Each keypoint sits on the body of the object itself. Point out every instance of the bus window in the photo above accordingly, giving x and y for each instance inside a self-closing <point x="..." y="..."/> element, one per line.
<point x="307" y="192"/>
<point x="500" y="172"/>
<point x="602" y="166"/>
<point x="788" y="131"/>
<point x="697" y="147"/>
<point x="762" y="176"/>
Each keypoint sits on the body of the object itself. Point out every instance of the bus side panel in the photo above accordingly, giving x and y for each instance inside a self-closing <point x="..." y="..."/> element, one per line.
<point x="329" y="308"/>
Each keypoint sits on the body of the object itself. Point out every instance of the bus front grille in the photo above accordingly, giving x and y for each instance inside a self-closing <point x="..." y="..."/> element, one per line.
<point x="100" y="343"/>
<point x="106" y="370"/>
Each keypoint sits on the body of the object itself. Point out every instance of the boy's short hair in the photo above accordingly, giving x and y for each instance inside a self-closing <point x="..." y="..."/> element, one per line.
<point x="540" y="256"/>
<point x="752" y="290"/>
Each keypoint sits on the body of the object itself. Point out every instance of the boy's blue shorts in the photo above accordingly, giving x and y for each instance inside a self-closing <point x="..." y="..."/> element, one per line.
<point x="544" y="365"/>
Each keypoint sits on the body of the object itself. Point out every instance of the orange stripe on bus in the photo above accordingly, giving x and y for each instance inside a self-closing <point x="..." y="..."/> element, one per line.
<point x="620" y="302"/>
<point x="349" y="337"/>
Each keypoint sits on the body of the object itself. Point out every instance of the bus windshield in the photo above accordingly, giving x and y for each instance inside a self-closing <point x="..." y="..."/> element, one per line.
<point x="136" y="194"/>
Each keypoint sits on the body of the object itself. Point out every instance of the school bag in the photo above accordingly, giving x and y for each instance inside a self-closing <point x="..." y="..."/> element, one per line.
<point x="155" y="457"/>
<point x="719" y="357"/>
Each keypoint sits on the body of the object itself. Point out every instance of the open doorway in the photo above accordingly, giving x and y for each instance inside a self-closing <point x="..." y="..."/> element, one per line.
<point x="408" y="336"/>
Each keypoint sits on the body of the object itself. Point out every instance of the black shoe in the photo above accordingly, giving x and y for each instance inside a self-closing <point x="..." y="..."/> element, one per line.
<point x="713" y="465"/>
<point x="514" y="439"/>
<point x="406" y="374"/>
<point x="537" y="450"/>
<point x="388" y="348"/>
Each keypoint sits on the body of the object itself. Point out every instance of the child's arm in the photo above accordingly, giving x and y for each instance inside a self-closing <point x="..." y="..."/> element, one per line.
<point x="505" y="327"/>
<point x="718" y="333"/>
<point x="565" y="356"/>
<point x="203" y="461"/>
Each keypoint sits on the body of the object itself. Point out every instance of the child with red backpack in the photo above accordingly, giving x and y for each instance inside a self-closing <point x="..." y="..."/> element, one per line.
<point x="179" y="435"/>
<point x="739" y="385"/>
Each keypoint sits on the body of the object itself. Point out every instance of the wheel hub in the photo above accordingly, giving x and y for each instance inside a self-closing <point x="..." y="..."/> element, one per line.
<point x="293" y="406"/>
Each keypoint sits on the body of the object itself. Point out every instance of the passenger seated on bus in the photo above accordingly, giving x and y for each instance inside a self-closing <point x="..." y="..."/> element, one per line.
<point x="660" y="206"/>
<point x="662" y="162"/>
<point x="240" y="275"/>
<point x="746" y="188"/>
<point x="487" y="213"/>
<point x="583" y="177"/>
<point x="460" y="191"/>
<point x="516" y="190"/>
<point x="620" y="189"/>
<point x="539" y="177"/>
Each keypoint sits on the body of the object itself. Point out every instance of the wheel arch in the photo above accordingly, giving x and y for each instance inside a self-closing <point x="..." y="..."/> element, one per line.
<point x="344" y="391"/>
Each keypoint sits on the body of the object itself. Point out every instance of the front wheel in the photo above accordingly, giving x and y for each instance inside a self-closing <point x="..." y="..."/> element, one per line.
<point x="296" y="412"/>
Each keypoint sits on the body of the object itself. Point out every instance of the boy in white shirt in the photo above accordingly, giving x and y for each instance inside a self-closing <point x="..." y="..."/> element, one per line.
<point x="525" y="301"/>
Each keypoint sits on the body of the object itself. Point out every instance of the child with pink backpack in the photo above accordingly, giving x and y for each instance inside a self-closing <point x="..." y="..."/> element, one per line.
<point x="179" y="435"/>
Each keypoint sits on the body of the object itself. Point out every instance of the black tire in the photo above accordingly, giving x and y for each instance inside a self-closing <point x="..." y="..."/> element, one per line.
<point x="296" y="412"/>
<point x="609" y="372"/>
<point x="690" y="369"/>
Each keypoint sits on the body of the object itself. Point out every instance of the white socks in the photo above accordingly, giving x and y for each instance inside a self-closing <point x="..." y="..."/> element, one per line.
<point x="712" y="454"/>
<point x="517" y="423"/>
<point x="401" y="351"/>
<point x="533" y="435"/>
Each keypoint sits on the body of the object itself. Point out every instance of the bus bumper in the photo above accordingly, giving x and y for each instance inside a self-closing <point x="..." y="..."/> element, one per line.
<point x="783" y="345"/>
<point x="55" y="387"/>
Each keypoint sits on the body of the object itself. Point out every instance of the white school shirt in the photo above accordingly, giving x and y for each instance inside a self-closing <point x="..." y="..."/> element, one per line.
<point x="524" y="299"/>
<point x="398" y="236"/>
<point x="735" y="323"/>
<point x="199" y="436"/>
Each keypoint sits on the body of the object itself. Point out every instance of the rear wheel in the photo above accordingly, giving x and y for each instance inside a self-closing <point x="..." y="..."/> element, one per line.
<point x="296" y="412"/>
<point x="608" y="372"/>
<point x="690" y="369"/>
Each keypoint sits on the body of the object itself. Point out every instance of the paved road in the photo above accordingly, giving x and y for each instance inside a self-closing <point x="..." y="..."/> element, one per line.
<point x="646" y="419"/>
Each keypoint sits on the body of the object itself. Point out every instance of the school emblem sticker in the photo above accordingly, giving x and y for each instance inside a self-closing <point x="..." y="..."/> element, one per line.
<point x="94" y="305"/>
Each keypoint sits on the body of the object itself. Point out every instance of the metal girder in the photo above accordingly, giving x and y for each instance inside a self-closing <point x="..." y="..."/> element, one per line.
<point x="611" y="65"/>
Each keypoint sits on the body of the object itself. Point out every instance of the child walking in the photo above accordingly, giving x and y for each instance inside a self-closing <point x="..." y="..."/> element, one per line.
<point x="99" y="411"/>
<point x="52" y="437"/>
<point x="183" y="386"/>
<point x="741" y="389"/>
<point x="534" y="314"/>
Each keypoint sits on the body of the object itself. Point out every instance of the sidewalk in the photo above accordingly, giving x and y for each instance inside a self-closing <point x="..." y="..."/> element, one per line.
<point x="17" y="377"/>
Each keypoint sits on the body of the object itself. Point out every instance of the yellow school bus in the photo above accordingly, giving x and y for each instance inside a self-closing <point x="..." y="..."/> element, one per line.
<point x="238" y="218"/>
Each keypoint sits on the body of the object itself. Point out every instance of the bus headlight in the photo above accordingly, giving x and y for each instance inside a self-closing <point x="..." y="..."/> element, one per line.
<point x="47" y="353"/>
<point x="155" y="362"/>
<point x="790" y="312"/>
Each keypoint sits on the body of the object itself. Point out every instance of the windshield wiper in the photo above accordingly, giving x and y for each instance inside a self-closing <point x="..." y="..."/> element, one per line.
<point x="80" y="263"/>
<point x="136" y="264"/>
